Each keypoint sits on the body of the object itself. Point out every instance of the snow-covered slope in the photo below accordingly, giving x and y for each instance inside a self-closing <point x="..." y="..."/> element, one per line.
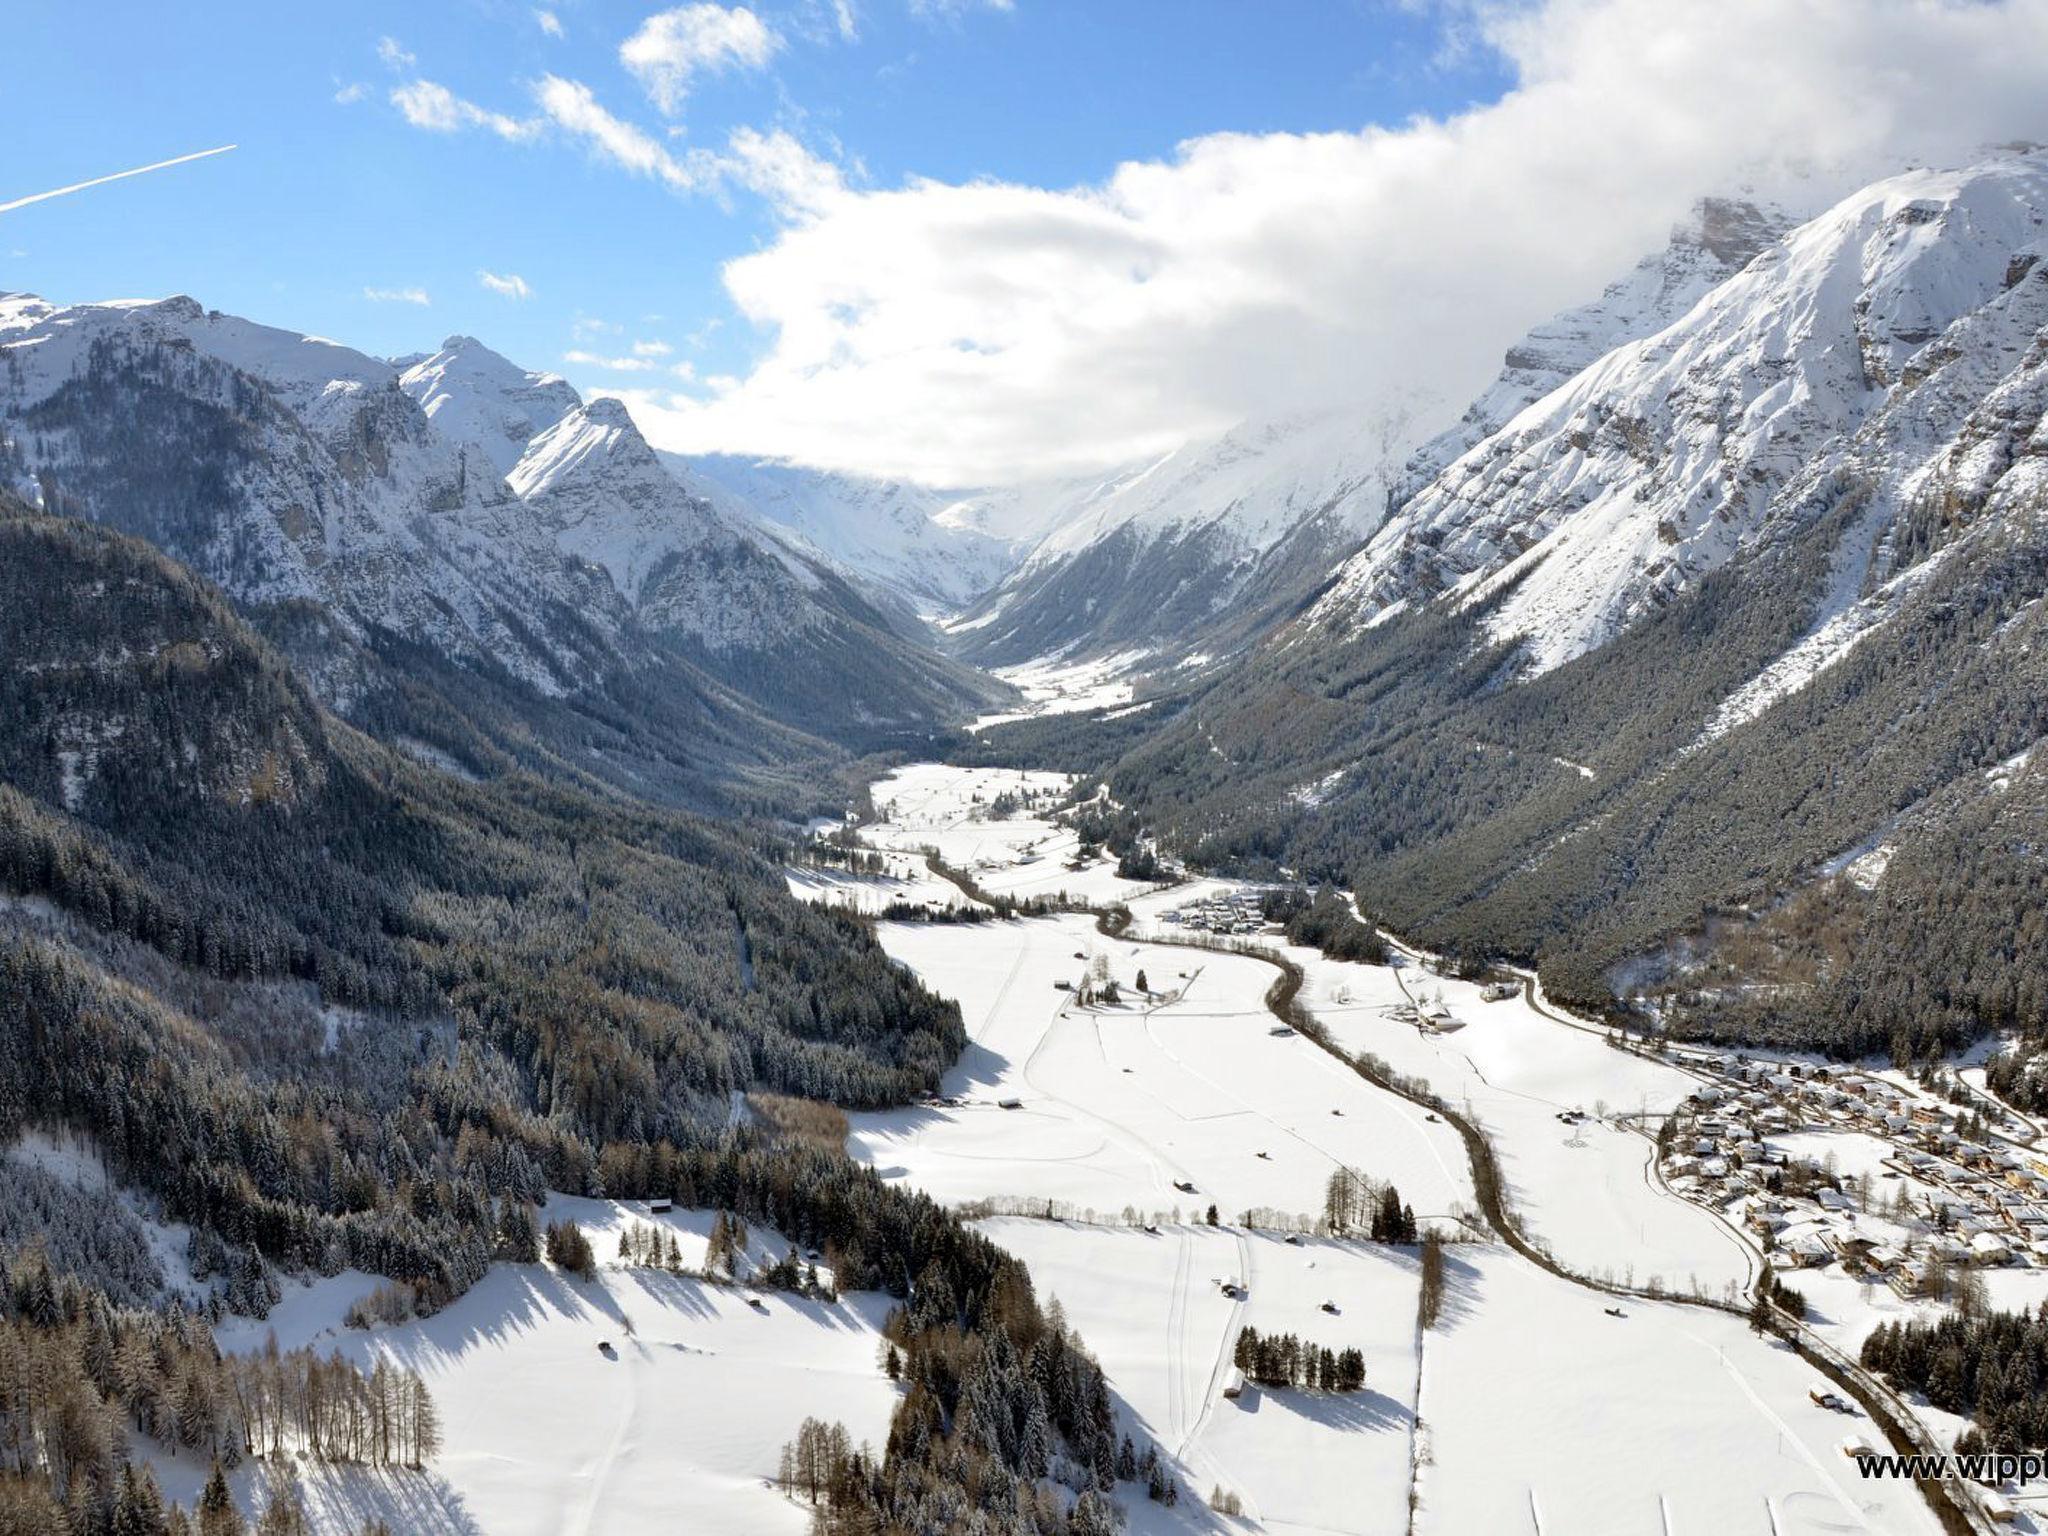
<point x="1672" y="453"/>
<point x="592" y="481"/>
<point x="477" y="398"/>
<point x="1720" y="238"/>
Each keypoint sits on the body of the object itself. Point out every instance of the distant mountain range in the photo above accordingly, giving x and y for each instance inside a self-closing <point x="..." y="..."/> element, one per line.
<point x="464" y="554"/>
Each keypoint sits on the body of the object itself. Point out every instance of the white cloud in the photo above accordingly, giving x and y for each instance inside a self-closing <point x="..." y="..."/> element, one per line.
<point x="774" y="165"/>
<point x="780" y="169"/>
<point x="434" y="107"/>
<point x="571" y="106"/>
<point x="963" y="334"/>
<point x="652" y="349"/>
<point x="616" y="364"/>
<point x="394" y="56"/>
<point x="348" y="95"/>
<point x="548" y="22"/>
<point x="508" y="285"/>
<point x="671" y="47"/>
<point x="397" y="296"/>
<point x="952" y="10"/>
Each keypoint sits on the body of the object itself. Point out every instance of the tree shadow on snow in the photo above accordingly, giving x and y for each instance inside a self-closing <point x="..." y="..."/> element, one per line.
<point x="978" y="1067"/>
<point x="1349" y="1411"/>
<point x="513" y="1299"/>
<point x="1461" y="1292"/>
<point x="417" y="1503"/>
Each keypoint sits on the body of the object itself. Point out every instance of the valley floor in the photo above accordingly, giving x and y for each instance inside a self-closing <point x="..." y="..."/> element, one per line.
<point x="1528" y="1406"/>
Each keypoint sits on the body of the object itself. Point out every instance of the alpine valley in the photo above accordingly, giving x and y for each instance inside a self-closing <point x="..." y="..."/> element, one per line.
<point x="548" y="984"/>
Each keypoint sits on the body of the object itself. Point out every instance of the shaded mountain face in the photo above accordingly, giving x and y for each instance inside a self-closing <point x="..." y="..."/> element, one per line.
<point x="365" y="511"/>
<point x="1717" y="672"/>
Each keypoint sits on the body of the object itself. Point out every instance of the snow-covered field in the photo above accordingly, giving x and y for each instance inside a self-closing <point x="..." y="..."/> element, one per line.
<point x="1021" y="854"/>
<point x="1119" y="1104"/>
<point x="1587" y="1191"/>
<point x="639" y="1401"/>
<point x="1057" y="688"/>
<point x="1150" y="1308"/>
<point x="907" y="879"/>
<point x="1543" y="1413"/>
<point x="1538" y="1410"/>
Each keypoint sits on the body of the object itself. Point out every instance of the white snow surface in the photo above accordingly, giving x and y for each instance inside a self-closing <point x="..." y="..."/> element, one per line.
<point x="478" y="398"/>
<point x="548" y="1435"/>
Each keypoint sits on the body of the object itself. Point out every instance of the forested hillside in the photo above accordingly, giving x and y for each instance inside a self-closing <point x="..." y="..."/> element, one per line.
<point x="555" y="970"/>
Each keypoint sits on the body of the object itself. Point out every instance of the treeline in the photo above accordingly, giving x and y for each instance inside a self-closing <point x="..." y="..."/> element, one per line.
<point x="1282" y="1360"/>
<point x="1991" y="1368"/>
<point x="81" y="1378"/>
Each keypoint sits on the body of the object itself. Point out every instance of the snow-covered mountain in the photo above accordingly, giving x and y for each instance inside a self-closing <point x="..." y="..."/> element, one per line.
<point x="293" y="470"/>
<point x="1191" y="552"/>
<point x="1211" y="545"/>
<point x="474" y="396"/>
<point x="1652" y="467"/>
<point x="286" y="467"/>
<point x="897" y="536"/>
<point x="1728" y="656"/>
<point x="1719" y="240"/>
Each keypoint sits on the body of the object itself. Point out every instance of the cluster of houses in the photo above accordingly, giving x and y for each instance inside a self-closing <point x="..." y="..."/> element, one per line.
<point x="1967" y="1200"/>
<point x="1231" y="912"/>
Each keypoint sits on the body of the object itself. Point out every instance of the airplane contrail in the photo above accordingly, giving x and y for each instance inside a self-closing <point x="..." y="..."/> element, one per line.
<point x="80" y="186"/>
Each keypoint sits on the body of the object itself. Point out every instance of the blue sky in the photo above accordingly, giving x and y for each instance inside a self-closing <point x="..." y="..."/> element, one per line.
<point x="958" y="241"/>
<point x="325" y="199"/>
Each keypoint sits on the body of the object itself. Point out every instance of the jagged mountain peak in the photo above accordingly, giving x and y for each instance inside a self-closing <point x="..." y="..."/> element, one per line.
<point x="594" y="439"/>
<point x="482" y="399"/>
